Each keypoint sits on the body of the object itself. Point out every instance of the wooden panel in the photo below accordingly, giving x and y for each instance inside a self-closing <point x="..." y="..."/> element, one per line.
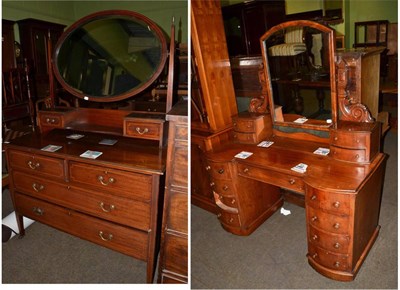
<point x="212" y="60"/>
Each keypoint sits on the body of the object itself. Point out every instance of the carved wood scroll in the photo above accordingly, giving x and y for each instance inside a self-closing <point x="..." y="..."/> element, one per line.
<point x="351" y="109"/>
<point x="260" y="104"/>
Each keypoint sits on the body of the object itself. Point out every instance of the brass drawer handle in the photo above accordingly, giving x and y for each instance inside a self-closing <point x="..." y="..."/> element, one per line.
<point x="33" y="165"/>
<point x="101" y="179"/>
<point x="110" y="208"/>
<point x="141" y="132"/>
<point x="107" y="239"/>
<point x="38" y="211"/>
<point x="37" y="187"/>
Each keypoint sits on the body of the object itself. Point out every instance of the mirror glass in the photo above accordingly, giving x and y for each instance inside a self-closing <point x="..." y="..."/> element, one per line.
<point x="109" y="56"/>
<point x="299" y="67"/>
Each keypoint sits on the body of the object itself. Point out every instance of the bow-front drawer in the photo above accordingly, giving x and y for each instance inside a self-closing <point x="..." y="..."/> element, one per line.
<point x="121" y="183"/>
<point x="122" y="239"/>
<point x="107" y="206"/>
<point x="219" y="170"/>
<point x="36" y="164"/>
<point x="328" y="222"/>
<point x="332" y="242"/>
<point x="335" y="203"/>
<point x="329" y="259"/>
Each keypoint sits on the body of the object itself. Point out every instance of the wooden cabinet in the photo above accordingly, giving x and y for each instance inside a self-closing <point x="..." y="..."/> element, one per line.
<point x="34" y="34"/>
<point x="246" y="22"/>
<point x="7" y="44"/>
<point x="111" y="201"/>
<point x="251" y="128"/>
<point x="173" y="265"/>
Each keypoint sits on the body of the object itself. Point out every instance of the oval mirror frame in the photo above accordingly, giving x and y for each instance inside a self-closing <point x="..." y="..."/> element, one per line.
<point x="112" y="14"/>
<point x="332" y="73"/>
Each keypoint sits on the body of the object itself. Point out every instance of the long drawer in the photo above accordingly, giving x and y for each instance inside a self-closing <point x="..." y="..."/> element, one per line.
<point x="122" y="239"/>
<point x="122" y="210"/>
<point x="121" y="183"/>
<point x="272" y="177"/>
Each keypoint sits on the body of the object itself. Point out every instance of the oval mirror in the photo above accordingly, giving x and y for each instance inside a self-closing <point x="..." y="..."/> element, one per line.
<point x="299" y="67"/>
<point x="110" y="56"/>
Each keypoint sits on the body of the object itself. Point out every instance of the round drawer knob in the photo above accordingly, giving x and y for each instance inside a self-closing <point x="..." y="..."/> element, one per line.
<point x="226" y="187"/>
<point x="292" y="181"/>
<point x="218" y="215"/>
<point x="314" y="219"/>
<point x="212" y="184"/>
<point x="336" y="245"/>
<point x="358" y="141"/>
<point x="221" y="171"/>
<point x="336" y="138"/>
<point x="336" y="225"/>
<point x="221" y="197"/>
<point x="231" y="220"/>
<point x="336" y="204"/>
<point x="315" y="256"/>
<point x="208" y="167"/>
<point x="233" y="201"/>
<point x="313" y="197"/>
<point x="337" y="264"/>
<point x="315" y="237"/>
<point x="356" y="156"/>
<point x="245" y="170"/>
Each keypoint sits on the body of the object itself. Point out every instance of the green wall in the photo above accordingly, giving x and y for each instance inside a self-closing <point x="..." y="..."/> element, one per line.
<point x="67" y="12"/>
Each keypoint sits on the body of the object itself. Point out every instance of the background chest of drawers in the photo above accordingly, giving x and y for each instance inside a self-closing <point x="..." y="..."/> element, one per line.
<point x="108" y="201"/>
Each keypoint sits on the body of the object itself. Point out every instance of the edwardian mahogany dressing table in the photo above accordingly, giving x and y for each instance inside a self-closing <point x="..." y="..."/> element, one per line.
<point x="341" y="191"/>
<point x="112" y="200"/>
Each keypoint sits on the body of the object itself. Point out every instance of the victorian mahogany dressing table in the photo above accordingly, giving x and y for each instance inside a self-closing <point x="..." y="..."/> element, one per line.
<point x="341" y="190"/>
<point x="113" y="199"/>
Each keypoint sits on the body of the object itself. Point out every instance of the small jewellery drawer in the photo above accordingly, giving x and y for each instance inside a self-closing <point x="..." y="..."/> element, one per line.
<point x="122" y="239"/>
<point x="121" y="183"/>
<point x="335" y="203"/>
<point x="333" y="242"/>
<point x="350" y="139"/>
<point x="246" y="138"/>
<point x="328" y="259"/>
<point x="229" y="219"/>
<point x="243" y="125"/>
<point x="223" y="187"/>
<point x="121" y="210"/>
<point x="36" y="164"/>
<point x="351" y="155"/>
<point x="328" y="222"/>
<point x="143" y="130"/>
<point x="52" y="120"/>
<point x="219" y="170"/>
<point x="272" y="177"/>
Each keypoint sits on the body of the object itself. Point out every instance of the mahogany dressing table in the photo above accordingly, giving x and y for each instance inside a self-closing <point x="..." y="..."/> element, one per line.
<point x="113" y="199"/>
<point x="341" y="187"/>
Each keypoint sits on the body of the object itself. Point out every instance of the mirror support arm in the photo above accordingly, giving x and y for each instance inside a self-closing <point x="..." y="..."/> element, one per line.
<point x="170" y="88"/>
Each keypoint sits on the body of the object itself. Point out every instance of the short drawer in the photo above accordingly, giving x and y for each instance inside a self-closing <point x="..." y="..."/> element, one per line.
<point x="36" y="164"/>
<point x="229" y="219"/>
<point x="243" y="125"/>
<point x="246" y="138"/>
<point x="328" y="222"/>
<point x="110" y="207"/>
<point x="51" y="120"/>
<point x="332" y="242"/>
<point x="122" y="239"/>
<point x="272" y="177"/>
<point x="121" y="183"/>
<point x="144" y="130"/>
<point x="223" y="187"/>
<point x="350" y="139"/>
<point x="178" y="206"/>
<point x="335" y="203"/>
<point x="351" y="155"/>
<point x="328" y="259"/>
<point x="219" y="170"/>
